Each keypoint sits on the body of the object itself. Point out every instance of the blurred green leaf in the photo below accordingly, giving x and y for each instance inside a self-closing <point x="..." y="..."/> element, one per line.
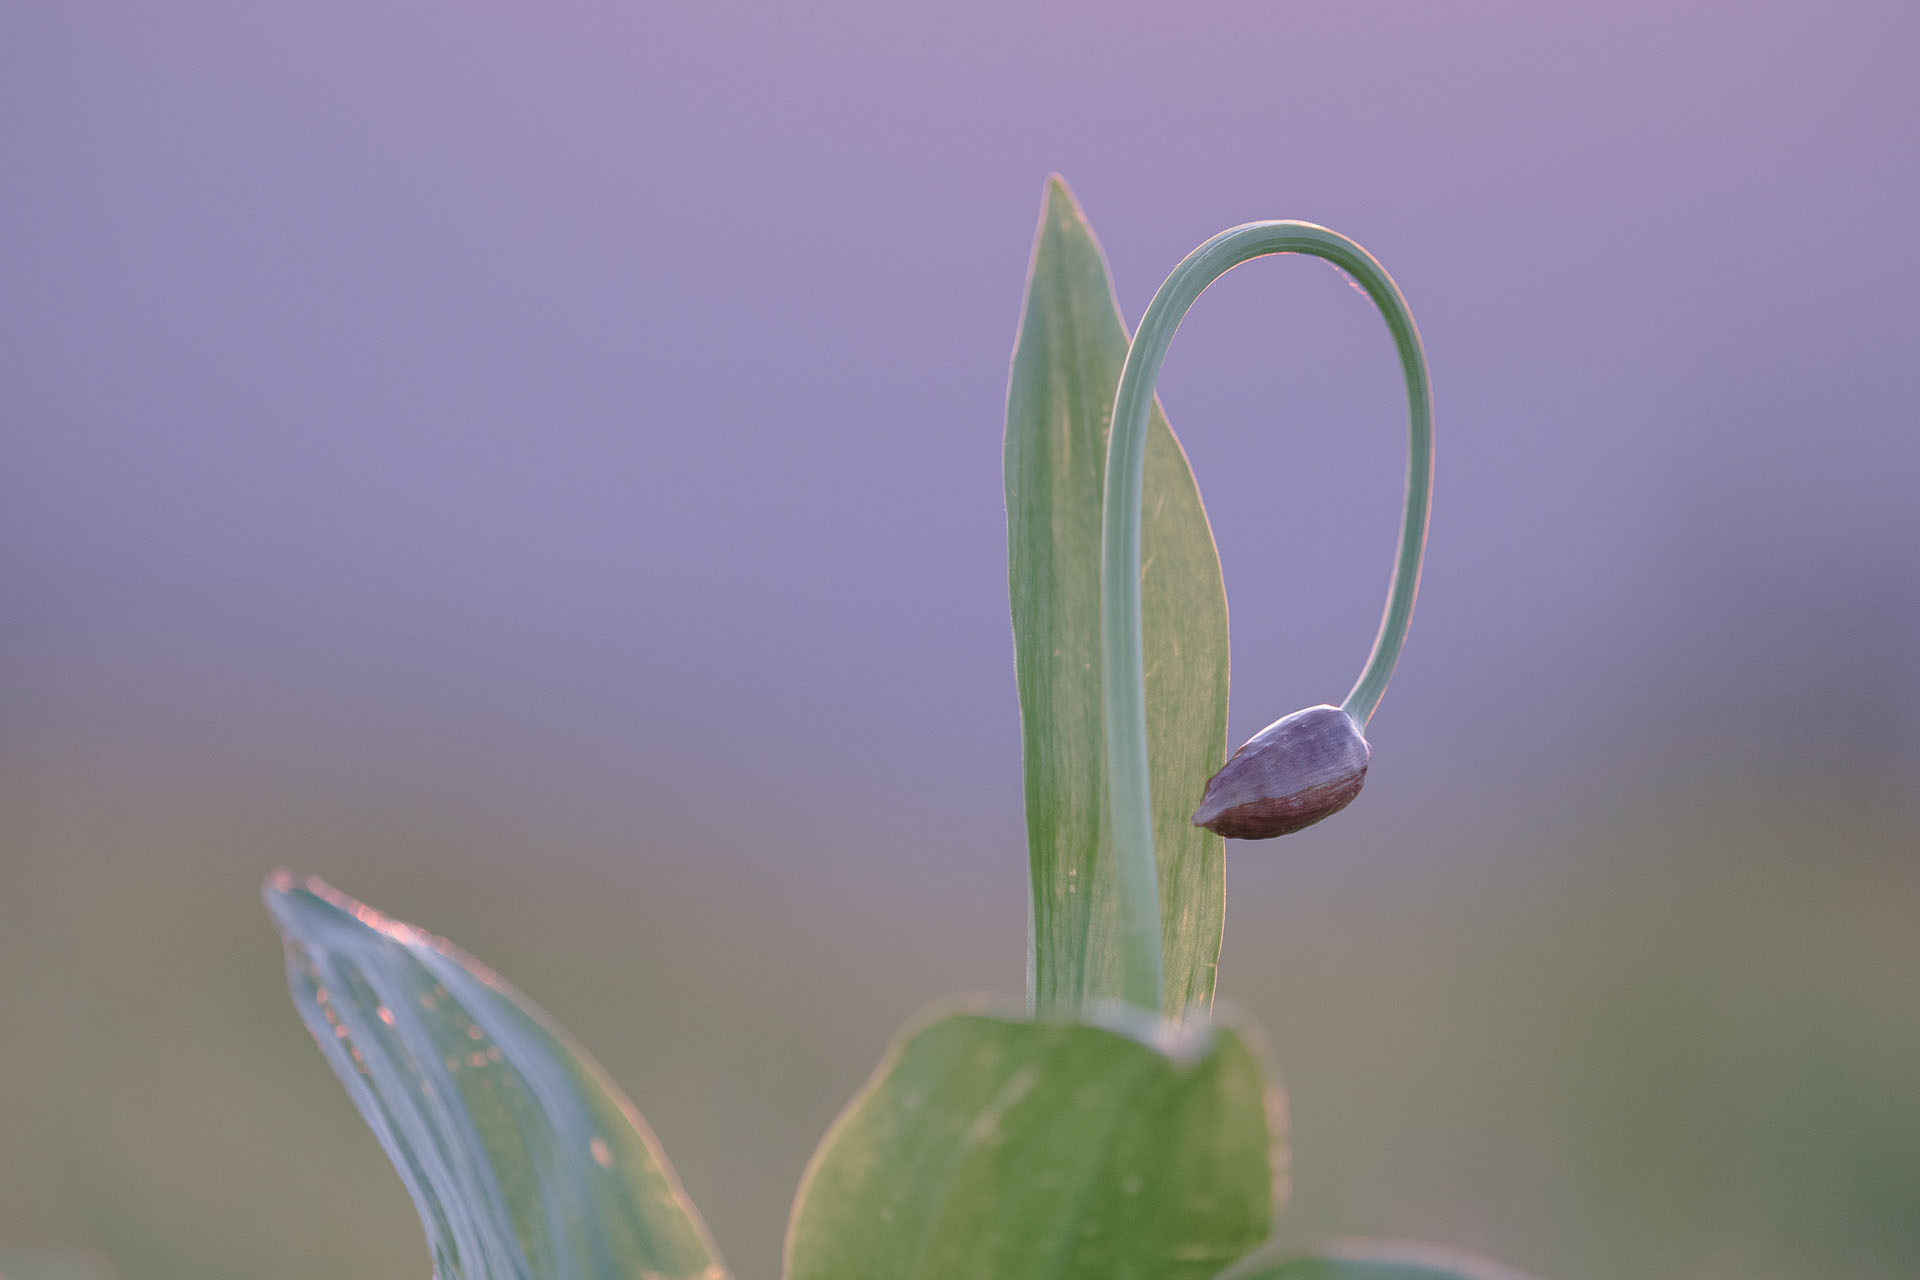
<point x="53" y="1264"/>
<point x="997" y="1146"/>
<point x="1066" y="368"/>
<point x="522" y="1158"/>
<point x="1369" y="1260"/>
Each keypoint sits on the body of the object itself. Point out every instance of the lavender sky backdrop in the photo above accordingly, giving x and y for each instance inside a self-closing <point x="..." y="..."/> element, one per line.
<point x="526" y="410"/>
<point x="617" y="387"/>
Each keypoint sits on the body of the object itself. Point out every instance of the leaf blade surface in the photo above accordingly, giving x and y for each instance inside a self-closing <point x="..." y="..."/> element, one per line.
<point x="989" y="1145"/>
<point x="1370" y="1260"/>
<point x="1066" y="368"/>
<point x="523" y="1159"/>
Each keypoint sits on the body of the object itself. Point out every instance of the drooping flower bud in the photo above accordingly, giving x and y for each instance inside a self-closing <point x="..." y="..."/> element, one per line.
<point x="1289" y="775"/>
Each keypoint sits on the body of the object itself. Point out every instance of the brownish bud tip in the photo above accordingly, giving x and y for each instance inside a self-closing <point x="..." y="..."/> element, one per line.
<point x="1289" y="775"/>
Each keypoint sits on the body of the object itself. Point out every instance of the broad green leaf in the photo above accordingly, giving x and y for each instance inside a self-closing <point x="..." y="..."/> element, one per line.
<point x="53" y="1264"/>
<point x="1066" y="368"/>
<point x="524" y="1160"/>
<point x="998" y="1146"/>
<point x="1369" y="1260"/>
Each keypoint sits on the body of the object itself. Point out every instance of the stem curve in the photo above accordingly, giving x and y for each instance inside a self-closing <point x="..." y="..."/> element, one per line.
<point x="1123" y="681"/>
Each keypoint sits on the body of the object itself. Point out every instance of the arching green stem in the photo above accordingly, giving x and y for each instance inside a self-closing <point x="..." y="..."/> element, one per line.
<point x="1123" y="680"/>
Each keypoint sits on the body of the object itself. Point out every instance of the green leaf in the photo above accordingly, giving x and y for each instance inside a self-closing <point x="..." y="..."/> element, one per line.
<point x="1370" y="1260"/>
<point x="523" y="1159"/>
<point x="53" y="1264"/>
<point x="1066" y="367"/>
<point x="989" y="1145"/>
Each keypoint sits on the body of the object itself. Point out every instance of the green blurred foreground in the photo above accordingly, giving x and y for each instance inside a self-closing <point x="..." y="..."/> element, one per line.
<point x="1680" y="1040"/>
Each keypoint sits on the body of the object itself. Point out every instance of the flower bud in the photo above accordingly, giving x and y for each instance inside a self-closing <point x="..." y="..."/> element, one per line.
<point x="1289" y="775"/>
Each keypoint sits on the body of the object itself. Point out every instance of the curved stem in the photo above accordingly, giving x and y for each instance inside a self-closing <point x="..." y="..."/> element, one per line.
<point x="1123" y="679"/>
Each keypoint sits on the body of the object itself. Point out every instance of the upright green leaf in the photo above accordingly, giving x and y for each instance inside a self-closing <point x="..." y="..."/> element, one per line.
<point x="1368" y="1260"/>
<point x="524" y="1160"/>
<point x="990" y="1146"/>
<point x="1066" y="367"/>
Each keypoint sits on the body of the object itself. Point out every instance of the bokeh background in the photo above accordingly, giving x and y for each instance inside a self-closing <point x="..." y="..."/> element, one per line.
<point x="538" y="467"/>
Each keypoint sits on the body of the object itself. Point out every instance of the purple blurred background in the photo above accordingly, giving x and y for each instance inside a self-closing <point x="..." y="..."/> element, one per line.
<point x="535" y="418"/>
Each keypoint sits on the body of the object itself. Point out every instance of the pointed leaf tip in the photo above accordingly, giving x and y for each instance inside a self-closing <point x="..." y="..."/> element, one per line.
<point x="522" y="1157"/>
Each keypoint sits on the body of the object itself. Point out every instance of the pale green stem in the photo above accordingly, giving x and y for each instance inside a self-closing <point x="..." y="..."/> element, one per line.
<point x="1123" y="680"/>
